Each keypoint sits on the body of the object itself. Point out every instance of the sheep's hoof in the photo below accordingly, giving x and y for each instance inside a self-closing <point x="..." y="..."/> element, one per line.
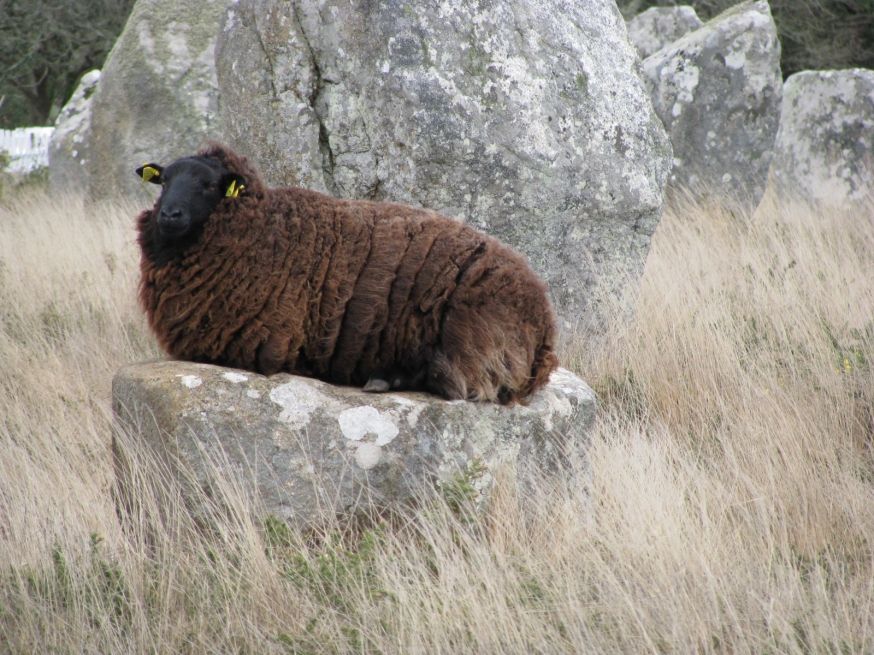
<point x="376" y="385"/>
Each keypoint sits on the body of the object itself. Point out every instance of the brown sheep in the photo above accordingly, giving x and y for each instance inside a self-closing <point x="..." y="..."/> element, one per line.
<point x="348" y="291"/>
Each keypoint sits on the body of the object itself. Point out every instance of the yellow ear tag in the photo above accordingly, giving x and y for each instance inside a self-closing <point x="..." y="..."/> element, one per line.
<point x="149" y="172"/>
<point x="234" y="190"/>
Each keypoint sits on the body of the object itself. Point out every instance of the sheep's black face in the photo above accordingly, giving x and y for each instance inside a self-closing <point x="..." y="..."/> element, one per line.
<point x="192" y="187"/>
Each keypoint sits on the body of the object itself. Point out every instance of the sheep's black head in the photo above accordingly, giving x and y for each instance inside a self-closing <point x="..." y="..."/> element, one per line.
<point x="192" y="187"/>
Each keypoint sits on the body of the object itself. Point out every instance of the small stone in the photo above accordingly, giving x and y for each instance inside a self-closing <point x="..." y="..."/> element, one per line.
<point x="376" y="385"/>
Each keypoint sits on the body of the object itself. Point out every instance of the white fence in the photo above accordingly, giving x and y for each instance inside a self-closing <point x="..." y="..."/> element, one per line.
<point x="27" y="147"/>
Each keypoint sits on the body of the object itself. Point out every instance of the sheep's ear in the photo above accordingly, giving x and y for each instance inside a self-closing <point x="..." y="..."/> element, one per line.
<point x="150" y="173"/>
<point x="235" y="186"/>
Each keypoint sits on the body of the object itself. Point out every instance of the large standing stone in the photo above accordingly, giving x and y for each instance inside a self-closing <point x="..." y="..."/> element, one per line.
<point x="157" y="97"/>
<point x="308" y="447"/>
<point x="69" y="148"/>
<point x="653" y="29"/>
<point x="825" y="146"/>
<point x="718" y="91"/>
<point x="525" y="119"/>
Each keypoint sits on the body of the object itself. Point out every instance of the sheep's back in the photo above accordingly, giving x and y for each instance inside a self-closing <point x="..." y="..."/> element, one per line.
<point x="395" y="274"/>
<point x="389" y="268"/>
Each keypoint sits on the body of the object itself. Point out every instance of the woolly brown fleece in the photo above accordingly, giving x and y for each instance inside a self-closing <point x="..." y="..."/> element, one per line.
<point x="345" y="290"/>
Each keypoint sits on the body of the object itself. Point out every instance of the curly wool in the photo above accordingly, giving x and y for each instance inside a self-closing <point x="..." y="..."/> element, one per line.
<point x="343" y="290"/>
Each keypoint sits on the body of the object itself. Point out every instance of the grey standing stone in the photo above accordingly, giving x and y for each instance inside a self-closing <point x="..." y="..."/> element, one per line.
<point x="307" y="447"/>
<point x="825" y="146"/>
<point x="718" y="92"/>
<point x="525" y="119"/>
<point x="69" y="149"/>
<point x="653" y="29"/>
<point x="157" y="97"/>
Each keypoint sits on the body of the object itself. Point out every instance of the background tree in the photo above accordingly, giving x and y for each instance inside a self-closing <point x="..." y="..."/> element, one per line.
<point x="813" y="33"/>
<point x="45" y="47"/>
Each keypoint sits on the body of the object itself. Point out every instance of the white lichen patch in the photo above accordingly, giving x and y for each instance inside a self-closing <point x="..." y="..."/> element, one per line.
<point x="368" y="455"/>
<point x="358" y="422"/>
<point x="736" y="59"/>
<point x="413" y="409"/>
<point x="251" y="393"/>
<point x="569" y="384"/>
<point x="683" y="82"/>
<point x="231" y="22"/>
<point x="235" y="377"/>
<point x="298" y="401"/>
<point x="555" y="404"/>
<point x="191" y="381"/>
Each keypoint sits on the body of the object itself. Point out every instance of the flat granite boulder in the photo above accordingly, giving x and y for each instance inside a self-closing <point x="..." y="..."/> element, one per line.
<point x="308" y="447"/>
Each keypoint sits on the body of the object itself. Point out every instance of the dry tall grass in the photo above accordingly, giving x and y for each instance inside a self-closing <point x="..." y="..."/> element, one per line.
<point x="730" y="507"/>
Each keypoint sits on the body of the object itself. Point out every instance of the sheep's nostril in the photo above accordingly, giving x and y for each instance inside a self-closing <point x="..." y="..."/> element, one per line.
<point x="172" y="222"/>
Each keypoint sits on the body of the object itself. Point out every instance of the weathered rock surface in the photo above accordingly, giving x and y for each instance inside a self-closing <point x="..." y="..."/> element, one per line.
<point x="718" y="92"/>
<point x="308" y="446"/>
<point x="526" y="119"/>
<point x="653" y="29"/>
<point x="68" y="149"/>
<point x="825" y="145"/>
<point x="157" y="97"/>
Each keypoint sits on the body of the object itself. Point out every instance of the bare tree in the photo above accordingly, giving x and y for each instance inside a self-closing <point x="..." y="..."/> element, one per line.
<point x="45" y="46"/>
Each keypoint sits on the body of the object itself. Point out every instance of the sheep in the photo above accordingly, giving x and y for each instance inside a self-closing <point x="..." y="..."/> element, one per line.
<point x="353" y="292"/>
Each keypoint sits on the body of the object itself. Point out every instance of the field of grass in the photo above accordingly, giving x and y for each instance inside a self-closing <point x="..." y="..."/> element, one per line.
<point x="730" y="506"/>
